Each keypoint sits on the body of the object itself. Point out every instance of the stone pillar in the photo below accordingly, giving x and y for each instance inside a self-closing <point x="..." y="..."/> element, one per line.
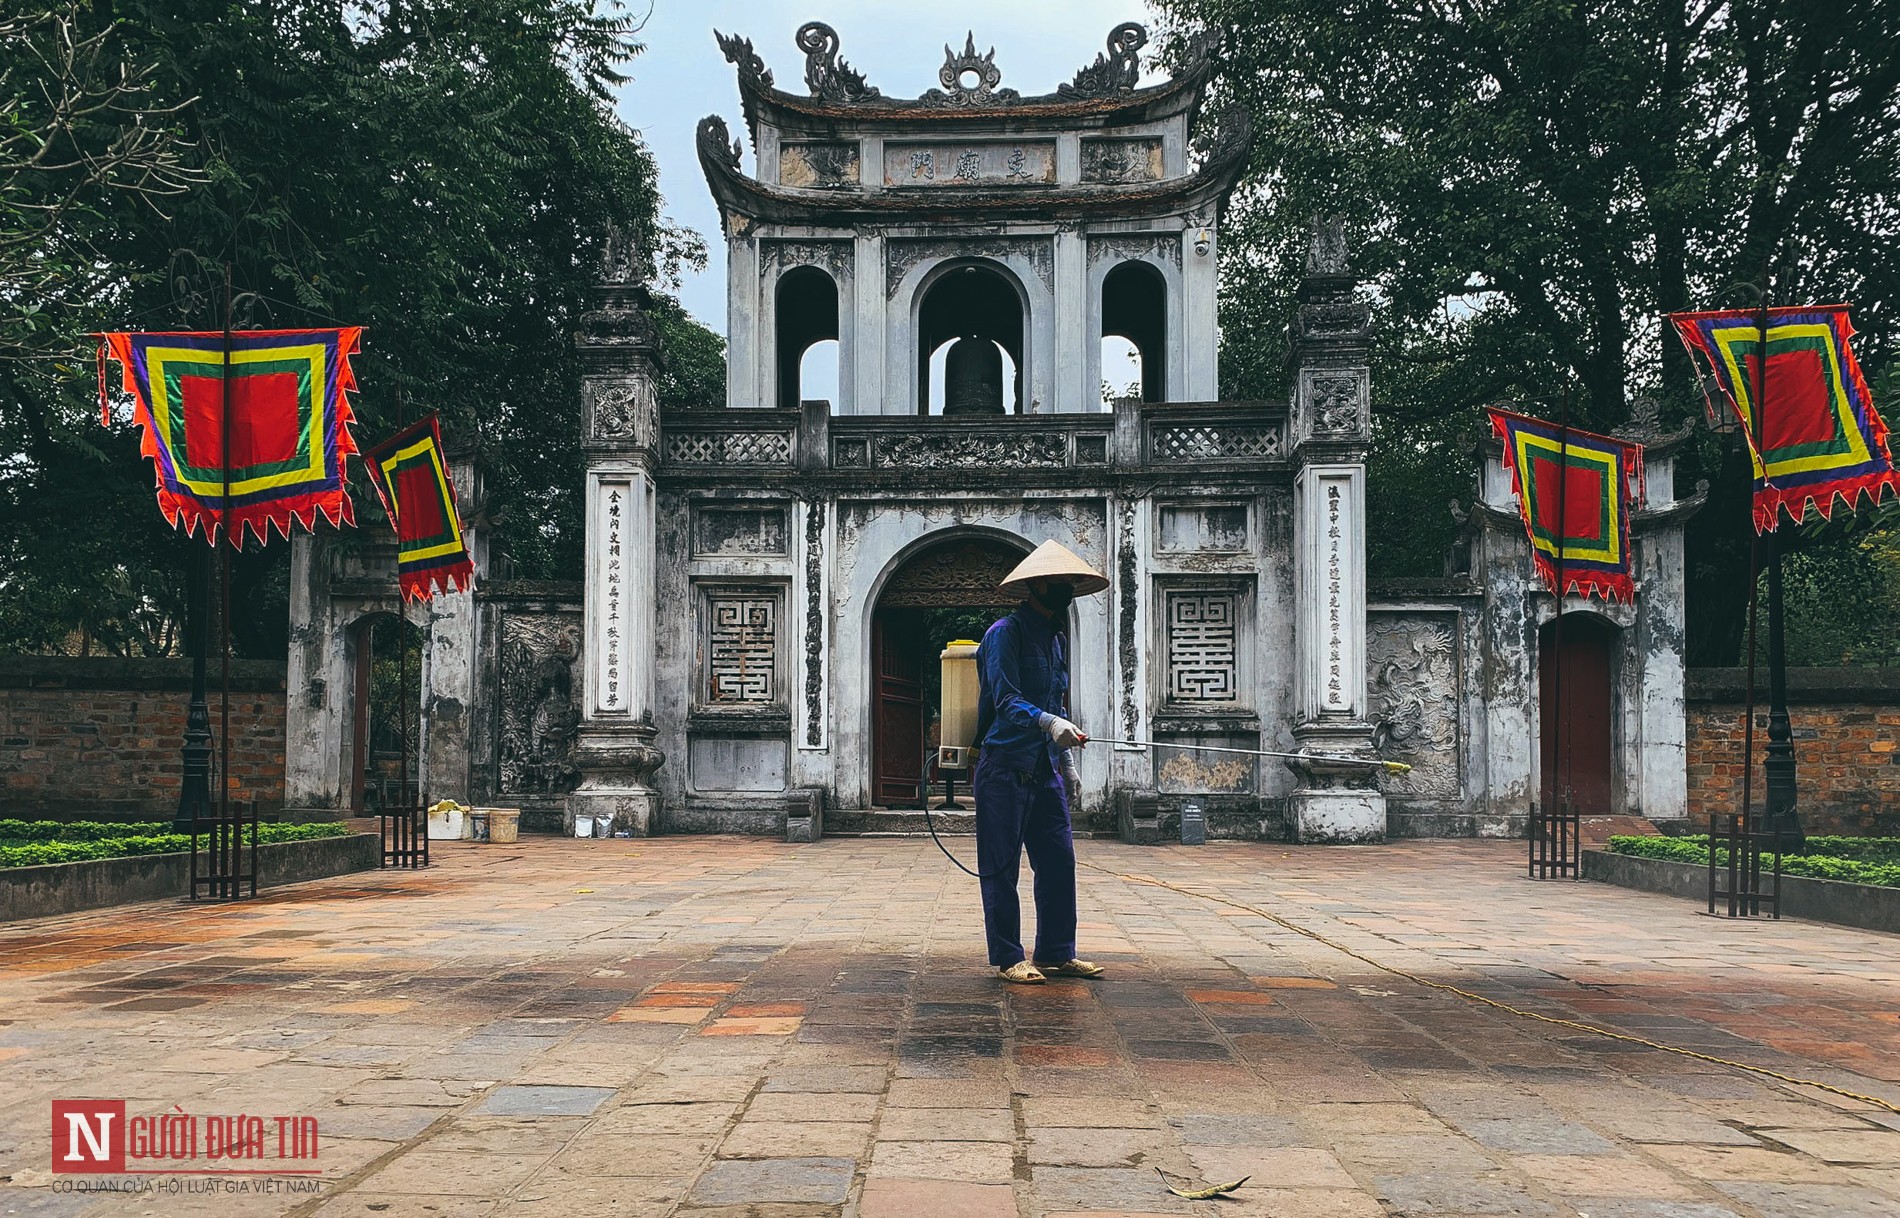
<point x="451" y="647"/>
<point x="1330" y="425"/>
<point x="614" y="748"/>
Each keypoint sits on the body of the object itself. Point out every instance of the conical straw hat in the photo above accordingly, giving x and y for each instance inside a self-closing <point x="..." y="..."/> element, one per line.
<point x="1054" y="561"/>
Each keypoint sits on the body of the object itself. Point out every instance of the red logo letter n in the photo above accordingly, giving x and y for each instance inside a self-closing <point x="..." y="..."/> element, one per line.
<point x="89" y="1136"/>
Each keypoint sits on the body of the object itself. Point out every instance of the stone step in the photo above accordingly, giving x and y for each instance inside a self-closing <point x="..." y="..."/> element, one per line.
<point x="899" y="821"/>
<point x="1596" y="831"/>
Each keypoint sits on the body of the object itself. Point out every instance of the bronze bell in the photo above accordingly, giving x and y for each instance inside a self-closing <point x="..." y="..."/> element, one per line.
<point x="973" y="377"/>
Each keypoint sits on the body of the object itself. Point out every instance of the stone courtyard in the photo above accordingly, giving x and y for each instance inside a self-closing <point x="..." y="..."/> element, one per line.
<point x="718" y="1026"/>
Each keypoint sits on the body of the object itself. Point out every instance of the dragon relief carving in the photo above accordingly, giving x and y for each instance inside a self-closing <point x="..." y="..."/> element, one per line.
<point x="814" y="622"/>
<point x="1116" y="71"/>
<point x="828" y="77"/>
<point x="616" y="411"/>
<point x="1125" y="626"/>
<point x="1412" y="686"/>
<point x="540" y="662"/>
<point x="1335" y="402"/>
<point x="713" y="142"/>
<point x="971" y="452"/>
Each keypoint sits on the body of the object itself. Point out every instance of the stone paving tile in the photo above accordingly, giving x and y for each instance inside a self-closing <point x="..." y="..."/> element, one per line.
<point x="736" y="1027"/>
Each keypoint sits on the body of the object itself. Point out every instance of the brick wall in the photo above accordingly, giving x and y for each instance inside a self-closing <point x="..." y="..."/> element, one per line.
<point x="82" y="736"/>
<point x="1846" y="725"/>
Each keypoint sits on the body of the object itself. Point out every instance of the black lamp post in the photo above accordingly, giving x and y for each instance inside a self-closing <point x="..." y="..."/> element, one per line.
<point x="194" y="794"/>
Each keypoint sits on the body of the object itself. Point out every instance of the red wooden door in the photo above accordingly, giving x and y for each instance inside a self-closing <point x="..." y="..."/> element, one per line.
<point x="897" y="712"/>
<point x="1575" y="745"/>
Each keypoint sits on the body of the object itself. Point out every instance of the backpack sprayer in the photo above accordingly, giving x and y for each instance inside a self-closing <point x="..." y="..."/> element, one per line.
<point x="957" y="731"/>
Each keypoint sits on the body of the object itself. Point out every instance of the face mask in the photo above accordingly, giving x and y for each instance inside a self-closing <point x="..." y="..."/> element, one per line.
<point x="1056" y="597"/>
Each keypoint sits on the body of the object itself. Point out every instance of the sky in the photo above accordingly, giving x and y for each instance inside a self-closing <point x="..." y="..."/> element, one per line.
<point x="682" y="77"/>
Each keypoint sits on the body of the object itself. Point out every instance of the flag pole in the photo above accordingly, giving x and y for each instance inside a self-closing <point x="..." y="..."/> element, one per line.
<point x="232" y="844"/>
<point x="1778" y="766"/>
<point x="1757" y="435"/>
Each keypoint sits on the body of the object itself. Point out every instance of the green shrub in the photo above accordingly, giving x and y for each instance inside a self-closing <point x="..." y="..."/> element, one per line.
<point x="12" y="831"/>
<point x="34" y="848"/>
<point x="1856" y="860"/>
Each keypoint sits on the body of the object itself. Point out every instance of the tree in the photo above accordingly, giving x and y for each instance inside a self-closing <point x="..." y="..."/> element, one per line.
<point x="1535" y="182"/>
<point x="438" y="172"/>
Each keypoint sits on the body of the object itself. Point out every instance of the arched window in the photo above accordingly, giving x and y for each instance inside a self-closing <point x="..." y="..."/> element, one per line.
<point x="979" y="305"/>
<point x="1135" y="308"/>
<point x="1121" y="371"/>
<point x="807" y="315"/>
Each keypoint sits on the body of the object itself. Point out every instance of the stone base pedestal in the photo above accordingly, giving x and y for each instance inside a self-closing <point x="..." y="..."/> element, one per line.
<point x="616" y="765"/>
<point x="1338" y="817"/>
<point x="805" y="815"/>
<point x="1337" y="803"/>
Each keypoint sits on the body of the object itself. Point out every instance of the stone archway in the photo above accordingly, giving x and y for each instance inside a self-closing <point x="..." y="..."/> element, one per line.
<point x="947" y="589"/>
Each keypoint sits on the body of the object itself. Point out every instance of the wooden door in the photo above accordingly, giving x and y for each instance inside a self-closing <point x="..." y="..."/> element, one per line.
<point x="897" y="711"/>
<point x="362" y="655"/>
<point x="1575" y="745"/>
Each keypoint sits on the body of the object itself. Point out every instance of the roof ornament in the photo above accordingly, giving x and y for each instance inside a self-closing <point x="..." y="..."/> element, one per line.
<point x="1117" y="71"/>
<point x="712" y="142"/>
<point x="739" y="51"/>
<point x="621" y="259"/>
<point x="969" y="79"/>
<point x="828" y="77"/>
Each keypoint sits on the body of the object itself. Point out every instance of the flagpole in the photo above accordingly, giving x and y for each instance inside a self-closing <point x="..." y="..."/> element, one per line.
<point x="1758" y="433"/>
<point x="1560" y="785"/>
<point x="232" y="844"/>
<point x="1778" y="767"/>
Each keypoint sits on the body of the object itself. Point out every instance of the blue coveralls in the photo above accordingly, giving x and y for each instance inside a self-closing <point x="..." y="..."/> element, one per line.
<point x="1023" y="670"/>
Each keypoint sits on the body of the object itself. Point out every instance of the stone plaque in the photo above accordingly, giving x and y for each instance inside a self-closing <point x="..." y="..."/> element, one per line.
<point x="719" y="763"/>
<point x="739" y="532"/>
<point x="969" y="164"/>
<point x="1117" y="161"/>
<point x="1188" y="528"/>
<point x="818" y="166"/>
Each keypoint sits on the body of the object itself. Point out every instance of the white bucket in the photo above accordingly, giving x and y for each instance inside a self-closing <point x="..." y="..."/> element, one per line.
<point x="447" y="825"/>
<point x="583" y="826"/>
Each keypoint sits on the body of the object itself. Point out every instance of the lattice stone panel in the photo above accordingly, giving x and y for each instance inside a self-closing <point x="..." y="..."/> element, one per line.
<point x="729" y="447"/>
<point x="741" y="649"/>
<point x="1203" y="647"/>
<point x="1217" y="442"/>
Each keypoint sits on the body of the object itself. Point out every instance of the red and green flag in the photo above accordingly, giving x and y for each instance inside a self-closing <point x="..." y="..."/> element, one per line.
<point x="1575" y="492"/>
<point x="411" y="477"/>
<point x="289" y="432"/>
<point x="1815" y="434"/>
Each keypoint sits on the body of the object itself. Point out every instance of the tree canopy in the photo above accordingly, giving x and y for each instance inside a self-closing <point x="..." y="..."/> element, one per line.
<point x="440" y="173"/>
<point x="1532" y="184"/>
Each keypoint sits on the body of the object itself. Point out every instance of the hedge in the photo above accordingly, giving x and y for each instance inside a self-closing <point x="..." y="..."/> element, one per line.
<point x="30" y="844"/>
<point x="1856" y="860"/>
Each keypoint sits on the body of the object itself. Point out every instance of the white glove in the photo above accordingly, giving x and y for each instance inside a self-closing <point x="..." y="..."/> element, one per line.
<point x="1064" y="734"/>
<point x="1072" y="782"/>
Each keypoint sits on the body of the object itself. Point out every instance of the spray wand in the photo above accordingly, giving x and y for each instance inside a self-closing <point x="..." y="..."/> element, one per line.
<point x="1390" y="767"/>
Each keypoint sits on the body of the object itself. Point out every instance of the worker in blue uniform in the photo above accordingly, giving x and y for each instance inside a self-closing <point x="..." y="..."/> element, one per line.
<point x="1025" y="782"/>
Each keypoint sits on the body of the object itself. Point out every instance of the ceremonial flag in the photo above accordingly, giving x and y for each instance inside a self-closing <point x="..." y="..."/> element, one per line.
<point x="1575" y="492"/>
<point x="411" y="477"/>
<point x="289" y="432"/>
<point x="1819" y="434"/>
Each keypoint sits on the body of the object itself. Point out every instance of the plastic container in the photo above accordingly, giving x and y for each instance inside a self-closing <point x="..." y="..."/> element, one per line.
<point x="583" y="826"/>
<point x="504" y="824"/>
<point x="478" y="824"/>
<point x="450" y="825"/>
<point x="957" y="724"/>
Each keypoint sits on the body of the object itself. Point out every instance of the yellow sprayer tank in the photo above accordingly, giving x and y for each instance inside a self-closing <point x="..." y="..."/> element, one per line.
<point x="957" y="725"/>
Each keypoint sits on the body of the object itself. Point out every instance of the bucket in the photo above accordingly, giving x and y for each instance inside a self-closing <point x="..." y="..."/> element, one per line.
<point x="583" y="826"/>
<point x="504" y="824"/>
<point x="478" y="825"/>
<point x="447" y="825"/>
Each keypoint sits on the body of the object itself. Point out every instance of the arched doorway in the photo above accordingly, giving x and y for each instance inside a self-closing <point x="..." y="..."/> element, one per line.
<point x="386" y="714"/>
<point x="976" y="301"/>
<point x="945" y="591"/>
<point x="1575" y="734"/>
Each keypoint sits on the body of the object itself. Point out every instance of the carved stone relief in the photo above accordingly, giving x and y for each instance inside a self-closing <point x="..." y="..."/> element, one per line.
<point x="1117" y="71"/>
<point x="952" y="576"/>
<point x="1125" y="626"/>
<point x="828" y="77"/>
<point x="977" y="163"/>
<point x="1412" y="684"/>
<point x="814" y="622"/>
<point x="815" y="166"/>
<point x="540" y="678"/>
<point x="739" y="531"/>
<point x="832" y="256"/>
<point x="1129" y="247"/>
<point x="620" y="408"/>
<point x="974" y="451"/>
<point x="1335" y="403"/>
<point x="969" y="79"/>
<point x="1118" y="162"/>
<point x="901" y="255"/>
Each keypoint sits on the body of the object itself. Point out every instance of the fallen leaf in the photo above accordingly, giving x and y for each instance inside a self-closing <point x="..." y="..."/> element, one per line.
<point x="1201" y="1194"/>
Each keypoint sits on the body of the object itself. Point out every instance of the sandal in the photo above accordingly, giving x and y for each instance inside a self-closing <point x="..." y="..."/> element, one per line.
<point x="1072" y="968"/>
<point x="1022" y="973"/>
